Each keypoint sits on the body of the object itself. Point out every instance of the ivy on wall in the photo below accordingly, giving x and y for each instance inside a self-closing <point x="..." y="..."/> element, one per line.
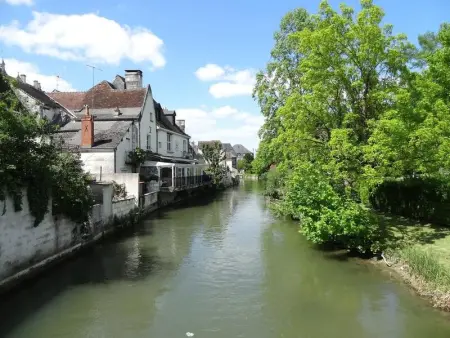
<point x="29" y="161"/>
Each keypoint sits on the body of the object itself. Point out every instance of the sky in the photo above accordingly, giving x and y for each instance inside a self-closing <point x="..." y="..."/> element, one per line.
<point x="200" y="57"/>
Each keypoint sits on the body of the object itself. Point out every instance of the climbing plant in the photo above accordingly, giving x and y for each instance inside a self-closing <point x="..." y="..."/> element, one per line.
<point x="29" y="161"/>
<point x="137" y="157"/>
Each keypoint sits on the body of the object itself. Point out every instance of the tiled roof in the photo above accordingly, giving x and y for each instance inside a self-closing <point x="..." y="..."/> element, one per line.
<point x="101" y="96"/>
<point x="227" y="147"/>
<point x="111" y="113"/>
<point x="107" y="134"/>
<point x="240" y="149"/>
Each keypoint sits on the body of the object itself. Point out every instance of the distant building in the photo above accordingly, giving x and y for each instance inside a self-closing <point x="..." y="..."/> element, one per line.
<point x="240" y="151"/>
<point x="230" y="158"/>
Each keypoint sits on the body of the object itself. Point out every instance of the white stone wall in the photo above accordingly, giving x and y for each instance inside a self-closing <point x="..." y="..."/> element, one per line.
<point x="34" y="106"/>
<point x="22" y="244"/>
<point x="121" y="153"/>
<point x="177" y="139"/>
<point x="148" y="124"/>
<point x="94" y="161"/>
<point x="123" y="207"/>
<point x="131" y="181"/>
<point x="150" y="199"/>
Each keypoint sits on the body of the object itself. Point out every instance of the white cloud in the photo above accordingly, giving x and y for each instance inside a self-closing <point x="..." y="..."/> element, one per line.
<point x="48" y="82"/>
<point x="229" y="82"/>
<point x="19" y="2"/>
<point x="226" y="123"/>
<point x="85" y="37"/>
<point x="209" y="72"/>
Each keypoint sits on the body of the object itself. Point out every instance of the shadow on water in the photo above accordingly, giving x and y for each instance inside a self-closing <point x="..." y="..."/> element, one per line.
<point x="117" y="258"/>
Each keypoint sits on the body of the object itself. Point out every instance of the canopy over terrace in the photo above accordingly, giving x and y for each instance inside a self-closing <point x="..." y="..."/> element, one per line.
<point x="178" y="176"/>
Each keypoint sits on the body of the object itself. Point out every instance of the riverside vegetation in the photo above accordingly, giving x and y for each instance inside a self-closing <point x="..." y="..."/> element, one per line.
<point x="357" y="127"/>
<point x="30" y="162"/>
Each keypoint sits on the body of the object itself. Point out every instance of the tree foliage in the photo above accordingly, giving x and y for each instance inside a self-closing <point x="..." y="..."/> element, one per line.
<point x="213" y="154"/>
<point x="349" y="105"/>
<point x="29" y="161"/>
<point x="246" y="163"/>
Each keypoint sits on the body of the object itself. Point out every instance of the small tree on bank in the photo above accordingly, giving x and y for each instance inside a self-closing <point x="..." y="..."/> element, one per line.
<point x="213" y="154"/>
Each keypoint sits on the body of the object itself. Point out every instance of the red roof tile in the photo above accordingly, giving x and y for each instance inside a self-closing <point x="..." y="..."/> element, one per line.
<point x="104" y="97"/>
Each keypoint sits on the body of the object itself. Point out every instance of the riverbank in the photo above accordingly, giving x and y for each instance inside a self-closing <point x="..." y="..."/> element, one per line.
<point x="70" y="239"/>
<point x="219" y="268"/>
<point x="420" y="255"/>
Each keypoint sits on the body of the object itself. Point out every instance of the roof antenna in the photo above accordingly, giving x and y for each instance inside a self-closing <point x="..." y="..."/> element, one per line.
<point x="57" y="82"/>
<point x="93" y="80"/>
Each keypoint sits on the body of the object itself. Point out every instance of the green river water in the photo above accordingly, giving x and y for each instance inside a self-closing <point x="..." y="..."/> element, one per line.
<point x="221" y="268"/>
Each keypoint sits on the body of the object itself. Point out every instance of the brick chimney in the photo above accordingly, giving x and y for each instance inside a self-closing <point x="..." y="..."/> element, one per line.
<point x="87" y="130"/>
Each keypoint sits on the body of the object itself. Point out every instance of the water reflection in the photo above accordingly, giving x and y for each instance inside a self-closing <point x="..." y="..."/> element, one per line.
<point x="222" y="268"/>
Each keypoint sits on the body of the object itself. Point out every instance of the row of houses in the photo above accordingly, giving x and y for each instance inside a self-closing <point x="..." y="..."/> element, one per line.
<point x="111" y="120"/>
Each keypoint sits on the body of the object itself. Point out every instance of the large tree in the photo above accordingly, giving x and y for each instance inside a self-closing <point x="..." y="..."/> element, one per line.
<point x="278" y="81"/>
<point x="351" y="74"/>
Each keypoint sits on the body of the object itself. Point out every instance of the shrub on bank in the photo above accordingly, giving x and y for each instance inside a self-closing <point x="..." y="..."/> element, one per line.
<point x="326" y="217"/>
<point x="273" y="180"/>
<point x="421" y="198"/>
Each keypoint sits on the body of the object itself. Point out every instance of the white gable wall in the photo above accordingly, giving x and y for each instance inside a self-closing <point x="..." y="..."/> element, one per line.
<point x="93" y="162"/>
<point x="34" y="106"/>
<point x="121" y="152"/>
<point x="147" y="125"/>
<point x="176" y="143"/>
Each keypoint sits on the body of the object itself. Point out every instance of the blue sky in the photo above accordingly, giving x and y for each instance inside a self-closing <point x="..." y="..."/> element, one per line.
<point x="172" y="42"/>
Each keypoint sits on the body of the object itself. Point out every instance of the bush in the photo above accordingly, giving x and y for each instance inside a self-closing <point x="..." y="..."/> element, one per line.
<point x="273" y="183"/>
<point x="422" y="198"/>
<point x="325" y="216"/>
<point x="119" y="191"/>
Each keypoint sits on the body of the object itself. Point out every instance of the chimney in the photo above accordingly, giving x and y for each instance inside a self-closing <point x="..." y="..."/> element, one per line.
<point x="133" y="79"/>
<point x="23" y="78"/>
<point x="2" y="67"/>
<point x="87" y="130"/>
<point x="181" y="124"/>
<point x="37" y="85"/>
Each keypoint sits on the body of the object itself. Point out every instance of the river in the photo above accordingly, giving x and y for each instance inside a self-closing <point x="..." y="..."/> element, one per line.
<point x="221" y="268"/>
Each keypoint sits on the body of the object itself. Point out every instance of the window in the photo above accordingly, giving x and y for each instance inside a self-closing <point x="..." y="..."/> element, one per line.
<point x="134" y="137"/>
<point x="184" y="145"/>
<point x="151" y="116"/>
<point x="159" y="144"/>
<point x="169" y="142"/>
<point x="176" y="145"/>
<point x="149" y="141"/>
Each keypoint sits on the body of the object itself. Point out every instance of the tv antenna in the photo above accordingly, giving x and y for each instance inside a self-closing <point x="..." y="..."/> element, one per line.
<point x="93" y="80"/>
<point x="57" y="81"/>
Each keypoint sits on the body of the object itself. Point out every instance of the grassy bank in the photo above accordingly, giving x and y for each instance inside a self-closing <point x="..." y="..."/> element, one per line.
<point x="420" y="253"/>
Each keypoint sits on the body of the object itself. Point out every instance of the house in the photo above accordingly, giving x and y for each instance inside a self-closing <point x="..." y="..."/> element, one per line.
<point x="37" y="101"/>
<point x="230" y="156"/>
<point x="117" y="121"/>
<point x="227" y="152"/>
<point x="240" y="151"/>
<point x="119" y="117"/>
